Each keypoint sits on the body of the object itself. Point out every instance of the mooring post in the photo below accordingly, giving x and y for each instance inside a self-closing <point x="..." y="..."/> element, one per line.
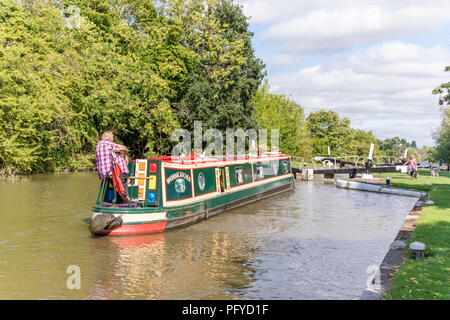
<point x="388" y="181"/>
<point x="417" y="250"/>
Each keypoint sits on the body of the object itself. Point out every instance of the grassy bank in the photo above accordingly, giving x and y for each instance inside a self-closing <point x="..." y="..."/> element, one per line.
<point x="428" y="278"/>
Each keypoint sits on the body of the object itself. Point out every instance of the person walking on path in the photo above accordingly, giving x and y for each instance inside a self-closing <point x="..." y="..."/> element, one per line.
<point x="110" y="162"/>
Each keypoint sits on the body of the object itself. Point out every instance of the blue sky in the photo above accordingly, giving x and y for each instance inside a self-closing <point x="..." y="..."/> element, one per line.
<point x="375" y="62"/>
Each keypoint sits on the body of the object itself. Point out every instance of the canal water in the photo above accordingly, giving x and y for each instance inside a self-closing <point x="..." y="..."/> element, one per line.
<point x="316" y="242"/>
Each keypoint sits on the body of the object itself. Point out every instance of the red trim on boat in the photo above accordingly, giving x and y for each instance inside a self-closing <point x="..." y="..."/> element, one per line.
<point x="130" y="229"/>
<point x="189" y="160"/>
<point x="156" y="239"/>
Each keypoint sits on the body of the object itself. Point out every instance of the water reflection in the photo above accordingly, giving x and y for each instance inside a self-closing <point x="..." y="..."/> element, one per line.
<point x="132" y="267"/>
<point x="174" y="265"/>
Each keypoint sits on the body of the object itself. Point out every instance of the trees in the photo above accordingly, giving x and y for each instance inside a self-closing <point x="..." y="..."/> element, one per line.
<point x="442" y="137"/>
<point x="279" y="112"/>
<point x="140" y="69"/>
<point x="442" y="134"/>
<point x="360" y="144"/>
<point x="443" y="91"/>
<point x="226" y="76"/>
<point x="326" y="128"/>
<point x="427" y="153"/>
<point x="35" y="80"/>
<point x="394" y="147"/>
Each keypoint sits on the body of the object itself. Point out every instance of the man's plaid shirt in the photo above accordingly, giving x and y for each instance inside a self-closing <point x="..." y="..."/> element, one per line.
<point x="105" y="155"/>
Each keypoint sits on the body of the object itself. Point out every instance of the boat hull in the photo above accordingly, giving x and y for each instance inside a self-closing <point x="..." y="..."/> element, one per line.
<point x="141" y="221"/>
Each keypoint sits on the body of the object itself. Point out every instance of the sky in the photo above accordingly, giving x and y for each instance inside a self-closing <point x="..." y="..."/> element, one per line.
<point x="375" y="62"/>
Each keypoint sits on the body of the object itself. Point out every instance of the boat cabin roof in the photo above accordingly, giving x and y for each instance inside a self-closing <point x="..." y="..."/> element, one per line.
<point x="195" y="158"/>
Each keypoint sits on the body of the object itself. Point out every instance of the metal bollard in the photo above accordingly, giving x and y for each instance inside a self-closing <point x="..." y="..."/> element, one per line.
<point x="417" y="250"/>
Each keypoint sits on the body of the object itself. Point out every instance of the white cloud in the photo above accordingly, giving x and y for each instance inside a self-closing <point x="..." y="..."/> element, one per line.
<point x="385" y="84"/>
<point x="385" y="87"/>
<point x="261" y="11"/>
<point x="326" y="25"/>
<point x="282" y="61"/>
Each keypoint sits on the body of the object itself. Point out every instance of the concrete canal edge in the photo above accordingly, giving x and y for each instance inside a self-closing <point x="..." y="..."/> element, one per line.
<point x="396" y="255"/>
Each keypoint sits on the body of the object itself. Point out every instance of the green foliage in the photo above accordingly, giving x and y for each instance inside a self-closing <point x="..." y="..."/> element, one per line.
<point x="327" y="129"/>
<point x="35" y="110"/>
<point x="443" y="91"/>
<point x="278" y="112"/>
<point x="140" y="69"/>
<point x="442" y="135"/>
<point x="219" y="92"/>
<point x="427" y="153"/>
<point x="394" y="147"/>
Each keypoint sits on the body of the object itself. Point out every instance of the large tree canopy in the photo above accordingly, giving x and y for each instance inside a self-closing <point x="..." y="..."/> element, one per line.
<point x="281" y="113"/>
<point x="71" y="69"/>
<point x="219" y="92"/>
<point x="327" y="129"/>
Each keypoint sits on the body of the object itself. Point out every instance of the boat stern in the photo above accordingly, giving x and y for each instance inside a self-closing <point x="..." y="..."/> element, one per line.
<point x="116" y="223"/>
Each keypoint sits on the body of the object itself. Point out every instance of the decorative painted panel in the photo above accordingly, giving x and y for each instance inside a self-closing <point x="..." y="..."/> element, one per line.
<point x="178" y="184"/>
<point x="204" y="181"/>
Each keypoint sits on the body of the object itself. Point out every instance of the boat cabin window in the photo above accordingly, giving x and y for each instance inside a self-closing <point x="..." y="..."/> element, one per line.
<point x="259" y="172"/>
<point x="239" y="175"/>
<point x="248" y="173"/>
<point x="285" y="167"/>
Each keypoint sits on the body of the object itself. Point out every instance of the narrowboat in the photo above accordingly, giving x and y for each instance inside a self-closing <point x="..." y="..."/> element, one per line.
<point x="168" y="192"/>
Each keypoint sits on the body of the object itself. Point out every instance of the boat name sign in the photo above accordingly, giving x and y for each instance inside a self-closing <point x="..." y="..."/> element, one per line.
<point x="177" y="175"/>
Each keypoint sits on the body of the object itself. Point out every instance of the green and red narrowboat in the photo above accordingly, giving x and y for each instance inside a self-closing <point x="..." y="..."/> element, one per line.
<point x="166" y="192"/>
